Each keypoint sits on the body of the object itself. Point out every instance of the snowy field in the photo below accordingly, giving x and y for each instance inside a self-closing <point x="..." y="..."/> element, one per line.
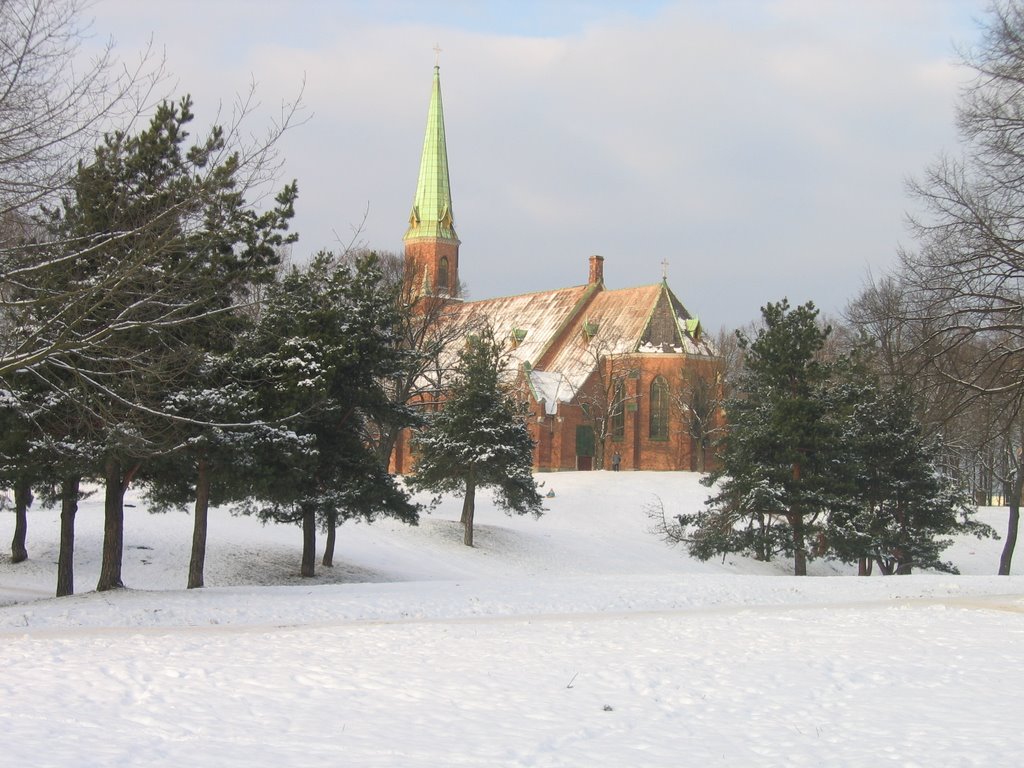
<point x="575" y="640"/>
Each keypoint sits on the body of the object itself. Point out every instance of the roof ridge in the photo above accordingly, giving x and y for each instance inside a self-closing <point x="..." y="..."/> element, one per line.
<point x="529" y="293"/>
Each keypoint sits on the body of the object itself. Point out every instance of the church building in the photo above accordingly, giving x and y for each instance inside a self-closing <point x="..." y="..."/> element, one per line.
<point x="610" y="375"/>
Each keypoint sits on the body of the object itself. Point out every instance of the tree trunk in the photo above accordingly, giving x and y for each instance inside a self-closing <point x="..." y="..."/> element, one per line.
<point x="762" y="550"/>
<point x="66" y="558"/>
<point x="22" y="501"/>
<point x="197" y="564"/>
<point x="1013" y="502"/>
<point x="332" y="527"/>
<point x="799" y="563"/>
<point x="308" y="569"/>
<point x="468" y="510"/>
<point x="864" y="566"/>
<point x="796" y="522"/>
<point x="388" y="438"/>
<point x="884" y="566"/>
<point x="113" y="527"/>
<point x="904" y="562"/>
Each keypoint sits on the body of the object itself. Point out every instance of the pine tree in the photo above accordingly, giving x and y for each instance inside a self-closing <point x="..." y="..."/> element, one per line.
<point x="157" y="241"/>
<point x="44" y="453"/>
<point x="318" y="355"/>
<point x="213" y="419"/>
<point x="219" y="434"/>
<point x="901" y="508"/>
<point x="776" y="473"/>
<point x="478" y="439"/>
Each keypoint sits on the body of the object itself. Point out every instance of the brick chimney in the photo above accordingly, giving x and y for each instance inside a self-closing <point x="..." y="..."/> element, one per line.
<point x="596" y="270"/>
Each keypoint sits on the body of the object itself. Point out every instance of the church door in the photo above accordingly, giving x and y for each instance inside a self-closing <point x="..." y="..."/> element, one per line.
<point x="585" y="447"/>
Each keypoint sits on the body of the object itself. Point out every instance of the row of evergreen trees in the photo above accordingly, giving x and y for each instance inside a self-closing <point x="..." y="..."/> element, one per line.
<point x="159" y="344"/>
<point x="151" y="337"/>
<point x="821" y="461"/>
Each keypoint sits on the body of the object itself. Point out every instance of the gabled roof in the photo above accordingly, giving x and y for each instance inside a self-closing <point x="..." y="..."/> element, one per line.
<point x="431" y="214"/>
<point x="528" y="324"/>
<point x="558" y="337"/>
<point x="612" y="325"/>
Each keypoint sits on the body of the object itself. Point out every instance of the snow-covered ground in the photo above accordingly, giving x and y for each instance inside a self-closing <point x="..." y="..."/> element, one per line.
<point x="578" y="639"/>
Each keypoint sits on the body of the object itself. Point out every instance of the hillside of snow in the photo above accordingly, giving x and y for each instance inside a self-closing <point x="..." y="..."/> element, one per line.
<point x="579" y="639"/>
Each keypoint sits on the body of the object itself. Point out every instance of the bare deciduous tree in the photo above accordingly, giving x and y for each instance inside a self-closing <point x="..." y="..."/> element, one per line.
<point x="963" y="286"/>
<point x="55" y="104"/>
<point x="430" y="331"/>
<point x="606" y="394"/>
<point x="706" y="388"/>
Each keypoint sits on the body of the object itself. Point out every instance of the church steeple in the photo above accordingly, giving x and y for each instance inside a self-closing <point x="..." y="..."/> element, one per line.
<point x="431" y="245"/>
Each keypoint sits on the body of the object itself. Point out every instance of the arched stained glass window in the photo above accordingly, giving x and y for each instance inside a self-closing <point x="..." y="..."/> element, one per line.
<point x="659" y="409"/>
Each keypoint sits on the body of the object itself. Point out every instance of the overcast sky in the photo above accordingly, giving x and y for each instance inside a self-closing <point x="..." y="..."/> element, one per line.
<point x="761" y="148"/>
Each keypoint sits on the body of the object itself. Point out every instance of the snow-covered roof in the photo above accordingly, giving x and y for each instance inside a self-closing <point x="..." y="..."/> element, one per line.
<point x="611" y="325"/>
<point x="528" y="323"/>
<point x="549" y="387"/>
<point x="558" y="337"/>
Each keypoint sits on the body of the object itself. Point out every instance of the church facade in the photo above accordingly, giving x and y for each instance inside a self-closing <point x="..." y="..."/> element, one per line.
<point x="609" y="375"/>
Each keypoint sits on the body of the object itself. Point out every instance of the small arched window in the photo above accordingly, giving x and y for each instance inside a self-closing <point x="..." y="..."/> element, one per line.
<point x="442" y="275"/>
<point x="659" y="409"/>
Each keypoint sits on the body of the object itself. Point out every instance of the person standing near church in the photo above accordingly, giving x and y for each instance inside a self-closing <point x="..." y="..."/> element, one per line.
<point x="616" y="461"/>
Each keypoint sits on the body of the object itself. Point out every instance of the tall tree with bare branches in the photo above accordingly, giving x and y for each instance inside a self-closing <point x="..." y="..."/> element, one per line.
<point x="54" y="103"/>
<point x="965" y="279"/>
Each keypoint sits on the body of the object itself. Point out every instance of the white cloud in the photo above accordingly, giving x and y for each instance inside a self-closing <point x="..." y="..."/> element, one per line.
<point x="760" y="147"/>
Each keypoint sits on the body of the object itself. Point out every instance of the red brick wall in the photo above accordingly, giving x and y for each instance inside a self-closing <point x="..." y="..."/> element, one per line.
<point x="425" y="256"/>
<point x="555" y="435"/>
<point x="636" y="447"/>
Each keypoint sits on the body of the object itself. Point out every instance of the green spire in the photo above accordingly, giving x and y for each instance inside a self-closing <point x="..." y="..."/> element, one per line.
<point x="431" y="215"/>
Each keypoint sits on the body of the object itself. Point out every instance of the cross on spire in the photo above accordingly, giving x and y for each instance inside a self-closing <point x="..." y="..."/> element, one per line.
<point x="437" y="55"/>
<point x="664" y="269"/>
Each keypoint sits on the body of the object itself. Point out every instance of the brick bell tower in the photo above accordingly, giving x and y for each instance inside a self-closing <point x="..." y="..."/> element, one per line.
<point x="431" y="245"/>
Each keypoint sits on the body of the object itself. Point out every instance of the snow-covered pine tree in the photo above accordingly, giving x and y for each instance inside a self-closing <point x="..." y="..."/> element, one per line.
<point x="47" y="448"/>
<point x="212" y="419"/>
<point x="154" y="241"/>
<point x="317" y="356"/>
<point x="478" y="439"/>
<point x="219" y="432"/>
<point x="19" y="468"/>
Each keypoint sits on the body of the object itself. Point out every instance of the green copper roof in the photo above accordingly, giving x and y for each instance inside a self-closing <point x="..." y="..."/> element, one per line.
<point x="432" y="209"/>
